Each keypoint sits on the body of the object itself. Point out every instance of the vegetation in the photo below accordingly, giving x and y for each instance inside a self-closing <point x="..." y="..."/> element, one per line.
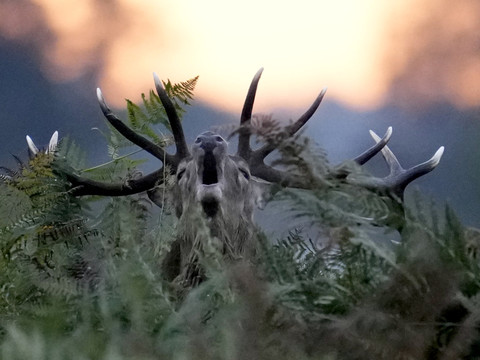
<point x="80" y="278"/>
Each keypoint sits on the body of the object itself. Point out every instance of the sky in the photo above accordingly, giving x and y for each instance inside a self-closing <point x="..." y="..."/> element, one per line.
<point x="359" y="49"/>
<point x="412" y="64"/>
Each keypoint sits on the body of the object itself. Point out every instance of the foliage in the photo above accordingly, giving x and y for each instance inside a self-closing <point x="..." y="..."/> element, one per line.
<point x="78" y="283"/>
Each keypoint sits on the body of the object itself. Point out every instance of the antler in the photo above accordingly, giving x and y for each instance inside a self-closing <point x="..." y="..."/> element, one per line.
<point x="85" y="186"/>
<point x="173" y="119"/>
<point x="244" y="149"/>
<point x="393" y="184"/>
<point x="52" y="145"/>
<point x="256" y="158"/>
<point x="398" y="178"/>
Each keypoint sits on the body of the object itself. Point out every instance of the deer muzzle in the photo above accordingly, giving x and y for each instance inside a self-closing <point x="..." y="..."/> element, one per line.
<point x="210" y="172"/>
<point x="209" y="191"/>
<point x="209" y="150"/>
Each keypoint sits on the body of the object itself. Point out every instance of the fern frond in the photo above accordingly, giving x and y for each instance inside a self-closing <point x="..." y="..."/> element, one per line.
<point x="143" y="120"/>
<point x="181" y="92"/>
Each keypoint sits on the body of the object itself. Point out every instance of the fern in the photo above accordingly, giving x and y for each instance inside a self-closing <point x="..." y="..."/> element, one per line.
<point x="181" y="93"/>
<point x="154" y="113"/>
<point x="79" y="283"/>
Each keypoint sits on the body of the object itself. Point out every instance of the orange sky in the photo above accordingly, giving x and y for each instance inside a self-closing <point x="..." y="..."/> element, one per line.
<point x="303" y="45"/>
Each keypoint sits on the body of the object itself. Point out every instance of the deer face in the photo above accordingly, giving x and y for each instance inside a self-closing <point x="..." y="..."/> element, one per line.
<point x="221" y="183"/>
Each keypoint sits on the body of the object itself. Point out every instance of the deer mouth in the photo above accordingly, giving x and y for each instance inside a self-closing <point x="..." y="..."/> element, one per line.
<point x="210" y="194"/>
<point x="210" y="173"/>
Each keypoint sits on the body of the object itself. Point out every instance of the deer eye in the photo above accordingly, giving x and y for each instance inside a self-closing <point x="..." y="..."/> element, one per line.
<point x="180" y="174"/>
<point x="218" y="138"/>
<point x="245" y="173"/>
<point x="198" y="140"/>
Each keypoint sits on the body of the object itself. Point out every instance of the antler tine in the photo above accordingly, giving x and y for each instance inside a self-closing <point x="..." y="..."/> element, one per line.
<point x="399" y="178"/>
<point x="53" y="143"/>
<point x="244" y="149"/>
<point x="256" y="158"/>
<point x="131" y="135"/>
<point x="379" y="145"/>
<point x="173" y="119"/>
<point x="302" y="120"/>
<point x="32" y="148"/>
<point x="292" y="129"/>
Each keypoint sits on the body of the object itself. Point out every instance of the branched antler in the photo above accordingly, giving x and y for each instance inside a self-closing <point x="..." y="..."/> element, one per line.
<point x="393" y="184"/>
<point x="255" y="158"/>
<point x="398" y="178"/>
<point x="84" y="186"/>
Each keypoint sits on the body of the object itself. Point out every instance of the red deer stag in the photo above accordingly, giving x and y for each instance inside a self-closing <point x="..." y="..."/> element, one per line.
<point x="225" y="186"/>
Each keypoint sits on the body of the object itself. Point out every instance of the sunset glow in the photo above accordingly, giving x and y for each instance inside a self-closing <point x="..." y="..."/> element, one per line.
<point x="304" y="46"/>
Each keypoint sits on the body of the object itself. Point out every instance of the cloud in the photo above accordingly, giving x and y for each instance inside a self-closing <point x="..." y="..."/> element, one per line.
<point x="23" y="22"/>
<point x="434" y="55"/>
<point x="367" y="52"/>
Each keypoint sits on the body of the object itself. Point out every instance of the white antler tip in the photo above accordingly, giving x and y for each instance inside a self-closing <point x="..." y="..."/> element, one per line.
<point x="157" y="81"/>
<point x="437" y="157"/>
<point x="386" y="137"/>
<point x="52" y="145"/>
<point x="100" y="97"/>
<point x="322" y="93"/>
<point x="101" y="101"/>
<point x="257" y="76"/>
<point x="389" y="131"/>
<point x="260" y="71"/>
<point x="31" y="145"/>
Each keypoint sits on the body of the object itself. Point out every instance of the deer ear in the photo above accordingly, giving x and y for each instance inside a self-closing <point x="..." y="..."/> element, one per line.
<point x="156" y="196"/>
<point x="164" y="199"/>
<point x="261" y="192"/>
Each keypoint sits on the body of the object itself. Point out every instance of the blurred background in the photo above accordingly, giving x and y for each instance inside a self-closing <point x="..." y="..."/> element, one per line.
<point x="414" y="65"/>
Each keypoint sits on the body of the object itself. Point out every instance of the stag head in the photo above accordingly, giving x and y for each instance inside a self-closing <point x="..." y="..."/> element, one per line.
<point x="226" y="187"/>
<point x="221" y="183"/>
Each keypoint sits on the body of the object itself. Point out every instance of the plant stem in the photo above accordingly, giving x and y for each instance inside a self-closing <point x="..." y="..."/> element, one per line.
<point x="112" y="161"/>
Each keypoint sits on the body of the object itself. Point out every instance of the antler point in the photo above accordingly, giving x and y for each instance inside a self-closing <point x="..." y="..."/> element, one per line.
<point x="31" y="145"/>
<point x="437" y="156"/>
<point x="258" y="74"/>
<point x="158" y="83"/>
<point x="52" y="145"/>
<point x="101" y="101"/>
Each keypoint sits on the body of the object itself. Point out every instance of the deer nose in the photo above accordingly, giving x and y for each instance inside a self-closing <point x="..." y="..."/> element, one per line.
<point x="208" y="142"/>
